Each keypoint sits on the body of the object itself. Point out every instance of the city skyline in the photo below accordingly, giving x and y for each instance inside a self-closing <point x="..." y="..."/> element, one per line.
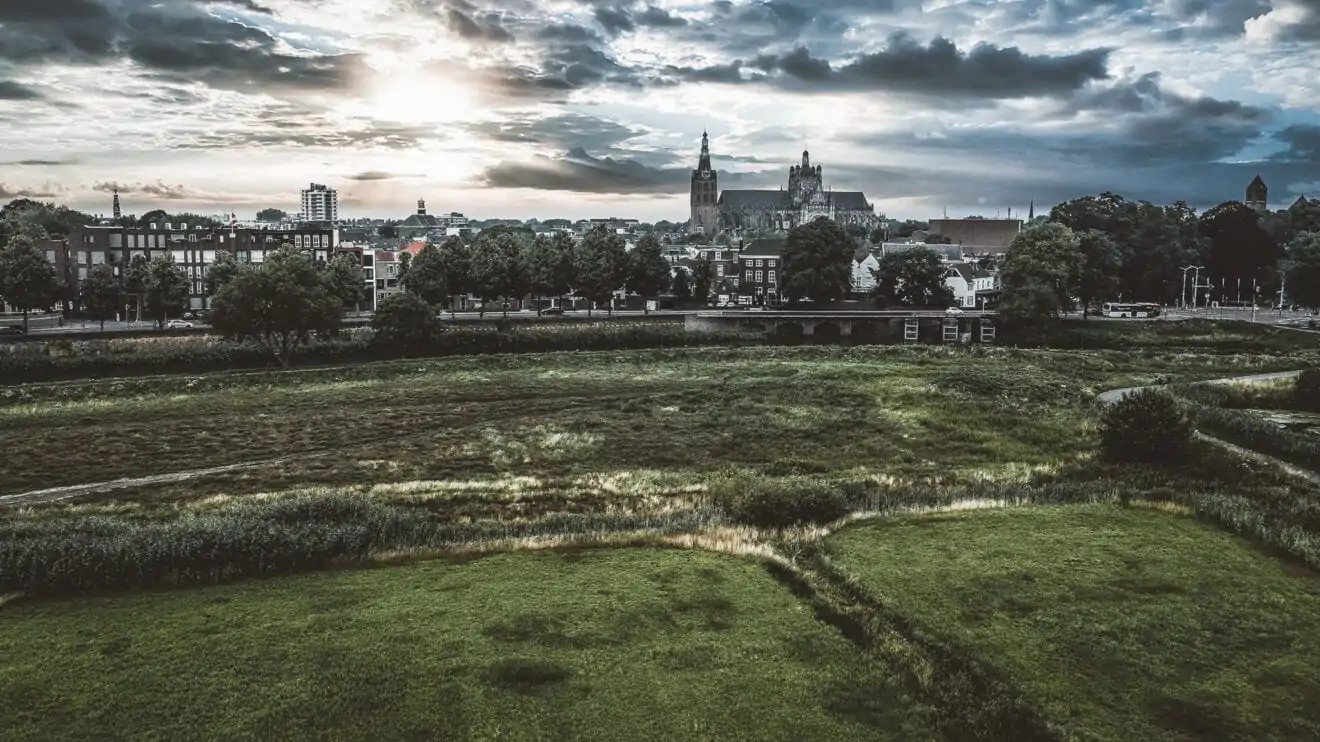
<point x="592" y="108"/>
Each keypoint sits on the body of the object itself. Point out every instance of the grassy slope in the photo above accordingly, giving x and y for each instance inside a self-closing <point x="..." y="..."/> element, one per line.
<point x="590" y="645"/>
<point x="567" y="415"/>
<point x="1119" y="624"/>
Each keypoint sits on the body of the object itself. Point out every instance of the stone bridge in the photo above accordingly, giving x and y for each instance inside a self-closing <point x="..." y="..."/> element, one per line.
<point x="857" y="327"/>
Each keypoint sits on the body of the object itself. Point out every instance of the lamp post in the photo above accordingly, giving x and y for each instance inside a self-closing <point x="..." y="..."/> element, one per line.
<point x="1196" y="280"/>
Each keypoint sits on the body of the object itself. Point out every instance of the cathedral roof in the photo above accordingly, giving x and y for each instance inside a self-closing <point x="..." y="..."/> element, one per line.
<point x="849" y="200"/>
<point x="420" y="220"/>
<point x="756" y="199"/>
<point x="765" y="246"/>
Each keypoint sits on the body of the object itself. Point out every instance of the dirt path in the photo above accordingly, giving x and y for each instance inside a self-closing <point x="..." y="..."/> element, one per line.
<point x="1115" y="395"/>
<point x="56" y="494"/>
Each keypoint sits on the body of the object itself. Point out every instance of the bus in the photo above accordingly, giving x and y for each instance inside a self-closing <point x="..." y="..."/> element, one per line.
<point x="1136" y="309"/>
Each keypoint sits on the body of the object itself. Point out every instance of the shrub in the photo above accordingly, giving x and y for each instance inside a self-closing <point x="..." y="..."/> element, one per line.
<point x="780" y="503"/>
<point x="1307" y="391"/>
<point x="1146" y="426"/>
<point x="405" y="323"/>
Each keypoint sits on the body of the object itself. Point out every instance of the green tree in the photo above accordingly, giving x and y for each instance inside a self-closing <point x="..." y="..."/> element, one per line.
<point x="277" y="306"/>
<point x="912" y="278"/>
<point x="271" y="215"/>
<point x="456" y="255"/>
<point x="344" y="274"/>
<point x="703" y="279"/>
<point x="1038" y="274"/>
<point x="425" y="276"/>
<point x="600" y="266"/>
<point x="817" y="262"/>
<point x="1301" y="270"/>
<point x="101" y="294"/>
<point x="1097" y="275"/>
<point x="27" y="280"/>
<point x="166" y="289"/>
<point x="1240" y="250"/>
<point x="647" y="271"/>
<point x="682" y="285"/>
<point x="225" y="269"/>
<point x="405" y="323"/>
<point x="136" y="276"/>
<point x="547" y="265"/>
<point x="492" y="269"/>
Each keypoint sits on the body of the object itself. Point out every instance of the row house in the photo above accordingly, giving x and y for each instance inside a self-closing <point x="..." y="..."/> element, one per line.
<point x="194" y="249"/>
<point x="759" y="271"/>
<point x="972" y="286"/>
<point x="864" y="266"/>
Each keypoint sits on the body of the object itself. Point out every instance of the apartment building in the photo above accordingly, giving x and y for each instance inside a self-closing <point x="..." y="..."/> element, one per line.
<point x="320" y="203"/>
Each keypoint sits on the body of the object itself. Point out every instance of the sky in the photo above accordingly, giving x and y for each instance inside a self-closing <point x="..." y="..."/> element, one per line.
<point x="595" y="108"/>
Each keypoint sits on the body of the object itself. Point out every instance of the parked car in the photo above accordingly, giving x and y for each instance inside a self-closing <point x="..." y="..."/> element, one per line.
<point x="178" y="324"/>
<point x="953" y="311"/>
<point x="552" y="312"/>
<point x="11" y="330"/>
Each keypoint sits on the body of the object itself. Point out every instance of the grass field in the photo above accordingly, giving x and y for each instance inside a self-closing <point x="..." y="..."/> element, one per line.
<point x="1079" y="621"/>
<point x="590" y="645"/>
<point x="1117" y="624"/>
<point x="909" y="412"/>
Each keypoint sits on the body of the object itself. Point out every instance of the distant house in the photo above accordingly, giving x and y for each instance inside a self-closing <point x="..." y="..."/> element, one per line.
<point x="759" y="272"/>
<point x="978" y="236"/>
<point x="864" y="267"/>
<point x="972" y="287"/>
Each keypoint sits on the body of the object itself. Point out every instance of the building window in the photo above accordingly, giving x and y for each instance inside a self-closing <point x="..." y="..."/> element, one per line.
<point x="760" y="263"/>
<point x="719" y="271"/>
<point x="758" y="276"/>
<point x="770" y="276"/>
<point x="192" y="238"/>
<point x="88" y="239"/>
<point x="770" y="263"/>
<point x="748" y="279"/>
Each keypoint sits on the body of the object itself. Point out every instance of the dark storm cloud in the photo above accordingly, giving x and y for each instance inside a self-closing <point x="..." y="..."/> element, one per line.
<point x="563" y="132"/>
<point x="578" y="172"/>
<point x="47" y="191"/>
<point x="490" y="27"/>
<point x="10" y="90"/>
<point x="41" y="163"/>
<point x="178" y="39"/>
<point x="1303" y="145"/>
<point x="159" y="189"/>
<point x="379" y="175"/>
<point x="280" y="130"/>
<point x="936" y="70"/>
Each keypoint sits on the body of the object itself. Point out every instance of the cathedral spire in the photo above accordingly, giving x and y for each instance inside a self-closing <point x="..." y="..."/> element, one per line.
<point x="1031" y="210"/>
<point x="703" y="164"/>
<point x="117" y="212"/>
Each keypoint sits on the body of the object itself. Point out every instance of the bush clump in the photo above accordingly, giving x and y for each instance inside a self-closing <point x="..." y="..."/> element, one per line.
<point x="405" y="323"/>
<point x="1306" y="394"/>
<point x="1146" y="426"/>
<point x="780" y="503"/>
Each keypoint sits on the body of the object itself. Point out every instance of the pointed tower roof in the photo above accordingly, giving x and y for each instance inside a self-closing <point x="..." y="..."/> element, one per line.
<point x="1257" y="181"/>
<point x="704" y="162"/>
<point x="1031" y="210"/>
<point x="1299" y="203"/>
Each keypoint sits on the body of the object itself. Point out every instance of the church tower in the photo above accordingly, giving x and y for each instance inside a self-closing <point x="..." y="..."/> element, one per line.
<point x="117" y="211"/>
<point x="705" y="194"/>
<point x="1257" y="194"/>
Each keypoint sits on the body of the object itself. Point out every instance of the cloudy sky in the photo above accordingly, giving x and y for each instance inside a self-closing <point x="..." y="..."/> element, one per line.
<point x="576" y="108"/>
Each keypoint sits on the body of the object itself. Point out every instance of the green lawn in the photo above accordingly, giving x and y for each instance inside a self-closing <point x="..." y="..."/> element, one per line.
<point x="607" y="645"/>
<point x="1117" y="624"/>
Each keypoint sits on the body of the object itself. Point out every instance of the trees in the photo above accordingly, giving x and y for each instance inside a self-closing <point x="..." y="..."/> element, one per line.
<point x="600" y="264"/>
<point x="912" y="278"/>
<point x="165" y="288"/>
<point x="100" y="294"/>
<point x="817" y="262"/>
<point x="135" y="282"/>
<point x="682" y="286"/>
<point x="456" y="257"/>
<point x="405" y="323"/>
<point x="27" y="280"/>
<point x="703" y="279"/>
<point x="344" y="273"/>
<point x="493" y="268"/>
<point x="647" y="270"/>
<point x="1301" y="269"/>
<point x="1240" y="250"/>
<point x="271" y="215"/>
<point x="278" y="305"/>
<point x="548" y="266"/>
<point x="1038" y="273"/>
<point x="1097" y="274"/>
<point x="225" y="269"/>
<point x="425" y="276"/>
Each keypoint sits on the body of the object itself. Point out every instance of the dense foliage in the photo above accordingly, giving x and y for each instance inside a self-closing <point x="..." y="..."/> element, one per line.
<point x="1146" y="426"/>
<point x="278" y="305"/>
<point x="405" y="324"/>
<point x="912" y="278"/>
<point x="817" y="262"/>
<point x="780" y="502"/>
<point x="1306" y="393"/>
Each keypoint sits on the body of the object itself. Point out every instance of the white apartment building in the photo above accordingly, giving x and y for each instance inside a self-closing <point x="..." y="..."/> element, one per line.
<point x="320" y="204"/>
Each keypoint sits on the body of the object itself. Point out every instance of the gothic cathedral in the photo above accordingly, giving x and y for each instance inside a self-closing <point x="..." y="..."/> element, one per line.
<point x="705" y="194"/>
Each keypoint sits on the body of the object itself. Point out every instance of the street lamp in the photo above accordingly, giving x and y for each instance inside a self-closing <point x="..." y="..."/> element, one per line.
<point x="1195" y="281"/>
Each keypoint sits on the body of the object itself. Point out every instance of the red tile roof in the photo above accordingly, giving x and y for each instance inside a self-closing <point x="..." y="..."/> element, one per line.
<point x="414" y="247"/>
